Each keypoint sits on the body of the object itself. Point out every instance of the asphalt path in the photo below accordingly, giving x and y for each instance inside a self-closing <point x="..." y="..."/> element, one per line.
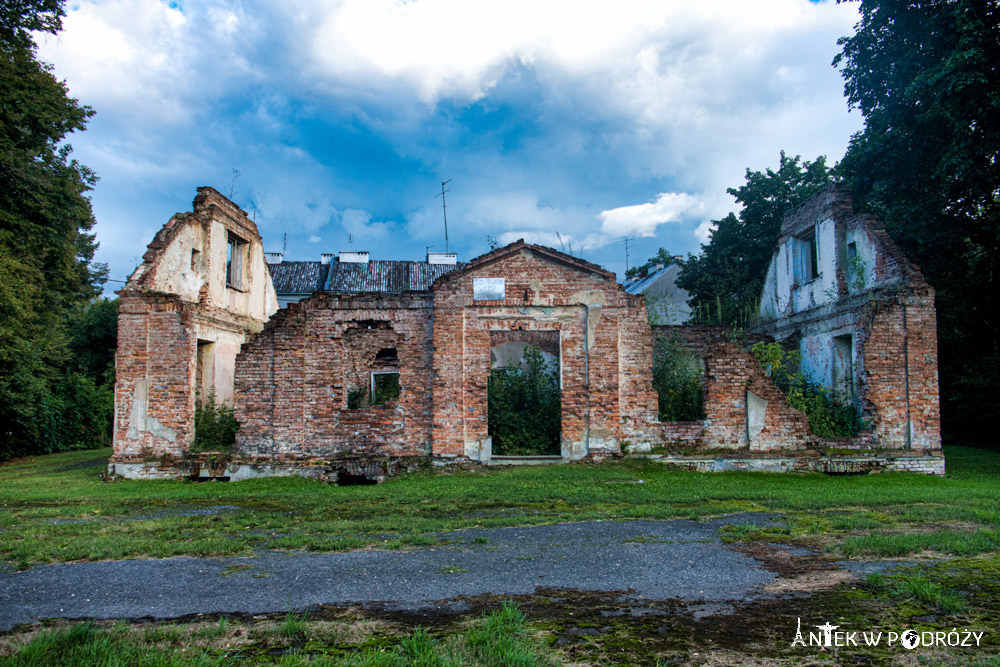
<point x="653" y="560"/>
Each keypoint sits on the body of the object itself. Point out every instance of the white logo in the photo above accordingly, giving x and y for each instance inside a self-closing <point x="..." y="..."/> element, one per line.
<point x="909" y="639"/>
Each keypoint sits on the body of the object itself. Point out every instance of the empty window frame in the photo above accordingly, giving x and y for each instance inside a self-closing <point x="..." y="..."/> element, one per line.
<point x="385" y="386"/>
<point x="806" y="257"/>
<point x="237" y="258"/>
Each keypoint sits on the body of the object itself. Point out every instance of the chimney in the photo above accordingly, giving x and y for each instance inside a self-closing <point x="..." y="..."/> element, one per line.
<point x="351" y="257"/>
<point x="274" y="257"/>
<point x="326" y="257"/>
<point x="442" y="258"/>
<point x="658" y="266"/>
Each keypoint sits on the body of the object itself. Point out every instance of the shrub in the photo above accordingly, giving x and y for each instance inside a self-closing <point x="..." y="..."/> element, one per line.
<point x="214" y="425"/>
<point x="827" y="417"/>
<point x="524" y="407"/>
<point x="677" y="380"/>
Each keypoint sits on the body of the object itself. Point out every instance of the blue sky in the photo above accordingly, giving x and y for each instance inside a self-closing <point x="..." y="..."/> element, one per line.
<point x="590" y="120"/>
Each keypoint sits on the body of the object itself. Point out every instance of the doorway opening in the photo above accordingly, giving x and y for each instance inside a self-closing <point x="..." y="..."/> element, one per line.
<point x="524" y="393"/>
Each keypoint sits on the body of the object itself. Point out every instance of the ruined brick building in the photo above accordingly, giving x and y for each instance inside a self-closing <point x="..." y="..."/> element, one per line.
<point x="374" y="365"/>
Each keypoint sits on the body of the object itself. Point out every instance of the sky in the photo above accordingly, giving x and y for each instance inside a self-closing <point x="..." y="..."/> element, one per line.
<point x="572" y="124"/>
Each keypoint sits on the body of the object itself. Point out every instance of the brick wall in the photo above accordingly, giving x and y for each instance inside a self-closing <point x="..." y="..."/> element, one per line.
<point x="605" y="349"/>
<point x="293" y="379"/>
<point x="154" y="376"/>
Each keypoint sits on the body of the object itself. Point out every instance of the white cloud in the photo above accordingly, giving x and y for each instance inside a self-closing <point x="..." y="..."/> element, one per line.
<point x="704" y="231"/>
<point x="611" y="103"/>
<point x="313" y="239"/>
<point x="643" y="219"/>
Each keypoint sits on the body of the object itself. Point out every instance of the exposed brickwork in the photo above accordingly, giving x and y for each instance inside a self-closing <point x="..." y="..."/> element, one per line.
<point x="605" y="341"/>
<point x="294" y="375"/>
<point x="180" y="297"/>
<point x="293" y="379"/>
<point x="154" y="405"/>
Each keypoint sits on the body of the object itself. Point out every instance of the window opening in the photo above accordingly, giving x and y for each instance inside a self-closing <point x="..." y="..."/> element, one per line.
<point x="807" y="260"/>
<point x="843" y="368"/>
<point x="384" y="387"/>
<point x="237" y="252"/>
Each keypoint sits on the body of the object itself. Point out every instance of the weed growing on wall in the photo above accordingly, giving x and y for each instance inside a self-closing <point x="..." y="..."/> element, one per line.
<point x="524" y="407"/>
<point x="214" y="425"/>
<point x="827" y="417"/>
<point x="677" y="380"/>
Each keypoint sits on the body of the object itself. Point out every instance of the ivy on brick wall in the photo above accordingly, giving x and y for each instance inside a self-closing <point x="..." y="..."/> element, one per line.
<point x="827" y="417"/>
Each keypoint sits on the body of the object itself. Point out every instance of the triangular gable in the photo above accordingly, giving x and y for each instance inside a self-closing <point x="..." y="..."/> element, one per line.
<point x="512" y="249"/>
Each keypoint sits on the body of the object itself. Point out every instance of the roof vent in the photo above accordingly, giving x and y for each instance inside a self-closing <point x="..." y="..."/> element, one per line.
<point x="350" y="257"/>
<point x="274" y="257"/>
<point x="325" y="257"/>
<point x="442" y="258"/>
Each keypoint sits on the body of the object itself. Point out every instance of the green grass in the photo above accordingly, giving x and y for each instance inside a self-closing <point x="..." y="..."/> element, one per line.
<point x="919" y="587"/>
<point x="56" y="508"/>
<point x="498" y="638"/>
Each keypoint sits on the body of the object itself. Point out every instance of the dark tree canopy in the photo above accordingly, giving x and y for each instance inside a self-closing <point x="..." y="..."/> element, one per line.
<point x="47" y="277"/>
<point x="926" y="76"/>
<point x="726" y="279"/>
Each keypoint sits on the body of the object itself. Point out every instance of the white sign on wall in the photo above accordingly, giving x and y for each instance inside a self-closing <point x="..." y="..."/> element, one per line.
<point x="489" y="289"/>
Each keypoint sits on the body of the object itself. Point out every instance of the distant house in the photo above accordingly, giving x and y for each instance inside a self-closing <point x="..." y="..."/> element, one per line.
<point x="666" y="302"/>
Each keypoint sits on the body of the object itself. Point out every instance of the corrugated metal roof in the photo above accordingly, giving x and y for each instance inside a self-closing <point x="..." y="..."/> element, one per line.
<point x="380" y="276"/>
<point x="298" y="277"/>
<point x="385" y="276"/>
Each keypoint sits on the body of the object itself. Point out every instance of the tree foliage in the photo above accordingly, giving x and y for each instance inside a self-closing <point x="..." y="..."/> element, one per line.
<point x="525" y="407"/>
<point x="726" y="279"/>
<point x="47" y="277"/>
<point x="677" y="376"/>
<point x="926" y="76"/>
<point x="661" y="257"/>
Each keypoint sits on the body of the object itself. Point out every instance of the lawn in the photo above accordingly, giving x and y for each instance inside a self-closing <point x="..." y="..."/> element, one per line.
<point x="57" y="508"/>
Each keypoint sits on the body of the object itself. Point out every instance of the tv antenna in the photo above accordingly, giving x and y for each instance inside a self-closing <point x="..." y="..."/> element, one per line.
<point x="284" y="243"/>
<point x="444" y="211"/>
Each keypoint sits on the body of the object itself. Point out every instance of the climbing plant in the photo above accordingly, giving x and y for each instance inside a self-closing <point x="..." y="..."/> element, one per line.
<point x="828" y="417"/>
<point x="677" y="380"/>
<point x="524" y="407"/>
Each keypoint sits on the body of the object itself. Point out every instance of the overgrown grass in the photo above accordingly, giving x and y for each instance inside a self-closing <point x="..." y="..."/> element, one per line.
<point x="919" y="587"/>
<point x="56" y="508"/>
<point x="498" y="638"/>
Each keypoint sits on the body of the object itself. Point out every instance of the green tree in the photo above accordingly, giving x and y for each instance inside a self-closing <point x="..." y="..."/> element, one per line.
<point x="47" y="276"/>
<point x="726" y="279"/>
<point x="524" y="407"/>
<point x="925" y="75"/>
<point x="661" y="257"/>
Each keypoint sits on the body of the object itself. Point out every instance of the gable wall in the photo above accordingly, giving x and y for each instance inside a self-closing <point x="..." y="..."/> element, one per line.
<point x="605" y="351"/>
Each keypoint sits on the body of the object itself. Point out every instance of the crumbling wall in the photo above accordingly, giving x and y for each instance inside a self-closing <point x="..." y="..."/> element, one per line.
<point x="176" y="303"/>
<point x="154" y="405"/>
<point x="871" y="337"/>
<point x="294" y="379"/>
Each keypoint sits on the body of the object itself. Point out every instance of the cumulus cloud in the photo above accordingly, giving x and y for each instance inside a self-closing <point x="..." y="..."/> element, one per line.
<point x="551" y="116"/>
<point x="313" y="239"/>
<point x="643" y="219"/>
